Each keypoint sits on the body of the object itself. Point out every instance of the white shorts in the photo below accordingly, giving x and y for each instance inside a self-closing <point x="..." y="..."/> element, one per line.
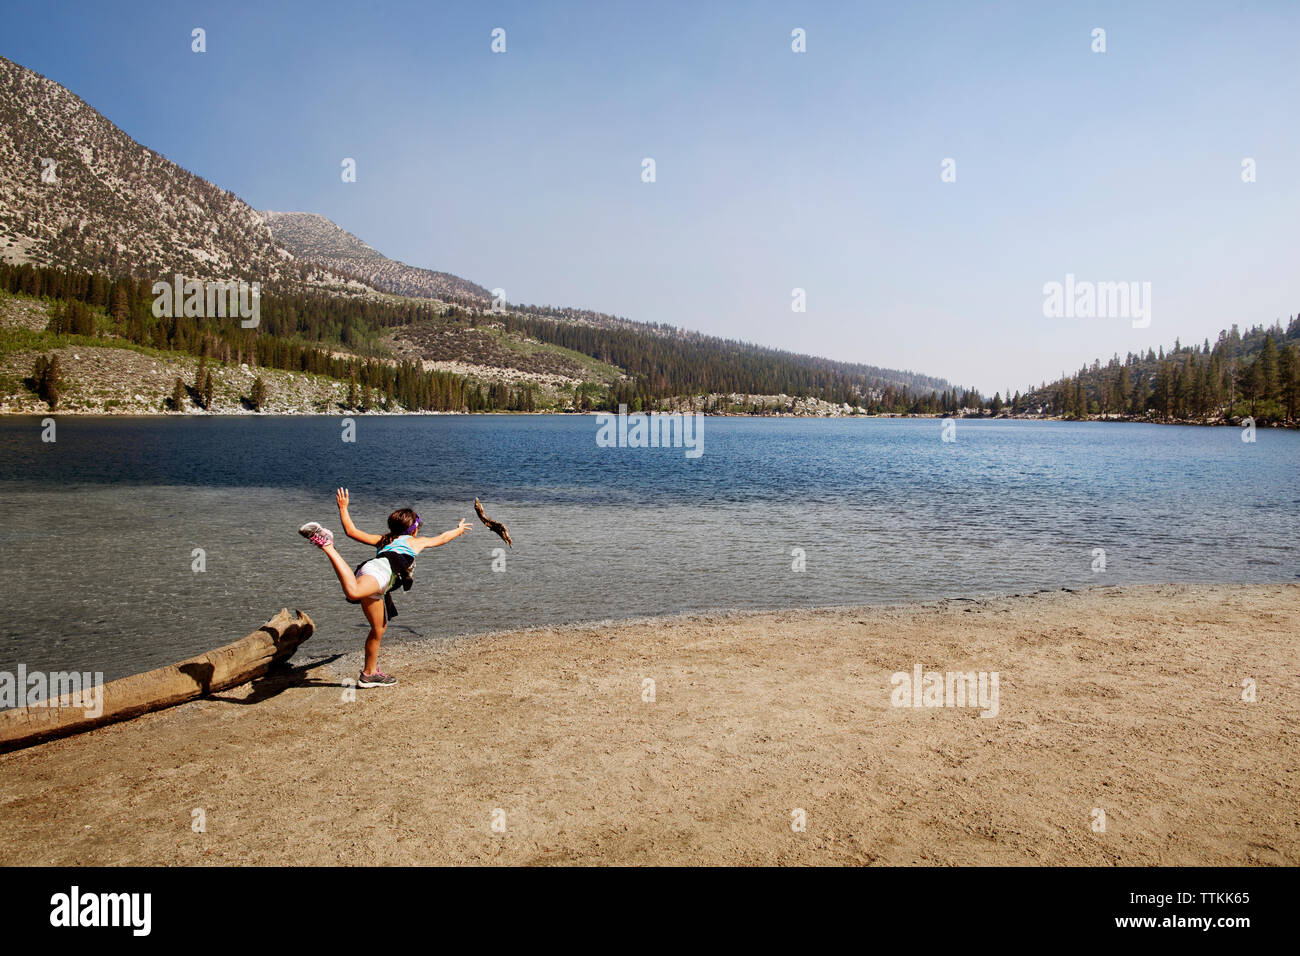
<point x="380" y="570"/>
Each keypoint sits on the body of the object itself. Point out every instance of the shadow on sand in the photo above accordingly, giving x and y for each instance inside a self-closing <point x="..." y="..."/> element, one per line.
<point x="282" y="677"/>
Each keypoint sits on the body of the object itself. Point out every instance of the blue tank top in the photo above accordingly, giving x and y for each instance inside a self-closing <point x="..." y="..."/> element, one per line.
<point x="399" y="544"/>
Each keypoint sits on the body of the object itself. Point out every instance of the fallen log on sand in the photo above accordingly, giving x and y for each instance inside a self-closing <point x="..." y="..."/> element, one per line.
<point x="236" y="663"/>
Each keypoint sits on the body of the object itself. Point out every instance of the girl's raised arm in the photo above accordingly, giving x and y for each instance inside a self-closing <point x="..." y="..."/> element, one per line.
<point x="351" y="530"/>
<point x="419" y="544"/>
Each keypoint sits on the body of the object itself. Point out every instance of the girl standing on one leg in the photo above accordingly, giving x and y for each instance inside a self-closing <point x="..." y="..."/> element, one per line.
<point x="369" y="585"/>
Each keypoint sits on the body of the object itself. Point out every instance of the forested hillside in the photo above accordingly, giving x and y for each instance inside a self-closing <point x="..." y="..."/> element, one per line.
<point x="1256" y="374"/>
<point x="343" y="337"/>
<point x="302" y="334"/>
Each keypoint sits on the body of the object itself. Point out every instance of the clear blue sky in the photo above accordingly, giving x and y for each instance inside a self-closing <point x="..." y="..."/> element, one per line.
<point x="775" y="170"/>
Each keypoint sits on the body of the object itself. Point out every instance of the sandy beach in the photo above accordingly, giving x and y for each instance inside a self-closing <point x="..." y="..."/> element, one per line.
<point x="549" y="746"/>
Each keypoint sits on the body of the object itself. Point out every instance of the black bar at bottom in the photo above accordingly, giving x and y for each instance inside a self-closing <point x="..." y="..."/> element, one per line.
<point x="343" y="906"/>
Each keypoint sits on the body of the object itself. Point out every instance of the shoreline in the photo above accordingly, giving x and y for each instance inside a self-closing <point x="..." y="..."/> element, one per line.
<point x="434" y="645"/>
<point x="1124" y="699"/>
<point x="199" y="416"/>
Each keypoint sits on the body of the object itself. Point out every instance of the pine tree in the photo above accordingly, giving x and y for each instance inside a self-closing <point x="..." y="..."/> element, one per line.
<point x="119" y="306"/>
<point x="83" y="320"/>
<point x="1267" y="361"/>
<point x="178" y="395"/>
<point x="258" y="395"/>
<point x="1123" y="386"/>
<point x="1288" y="369"/>
<point x="1248" y="385"/>
<point x="1138" y="397"/>
<point x="47" y="377"/>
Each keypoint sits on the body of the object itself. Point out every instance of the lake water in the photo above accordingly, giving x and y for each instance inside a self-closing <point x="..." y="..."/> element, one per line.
<point x="97" y="529"/>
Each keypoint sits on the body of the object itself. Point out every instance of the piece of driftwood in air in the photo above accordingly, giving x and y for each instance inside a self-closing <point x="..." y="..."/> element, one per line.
<point x="495" y="526"/>
<point x="229" y="666"/>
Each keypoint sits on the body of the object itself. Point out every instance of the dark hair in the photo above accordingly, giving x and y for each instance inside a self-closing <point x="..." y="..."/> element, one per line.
<point x="400" y="522"/>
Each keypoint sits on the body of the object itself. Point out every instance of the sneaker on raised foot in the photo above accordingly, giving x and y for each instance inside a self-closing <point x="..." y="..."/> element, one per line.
<point x="317" y="534"/>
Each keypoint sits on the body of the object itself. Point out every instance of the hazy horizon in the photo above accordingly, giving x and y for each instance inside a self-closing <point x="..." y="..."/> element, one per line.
<point x="819" y="170"/>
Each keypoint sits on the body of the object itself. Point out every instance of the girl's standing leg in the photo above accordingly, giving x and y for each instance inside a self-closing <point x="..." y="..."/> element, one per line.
<point x="374" y="611"/>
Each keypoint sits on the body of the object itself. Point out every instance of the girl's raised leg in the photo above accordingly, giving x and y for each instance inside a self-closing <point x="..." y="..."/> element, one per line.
<point x="353" y="587"/>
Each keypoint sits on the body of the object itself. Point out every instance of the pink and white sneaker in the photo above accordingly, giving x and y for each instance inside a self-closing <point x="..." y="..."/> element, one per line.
<point x="317" y="534"/>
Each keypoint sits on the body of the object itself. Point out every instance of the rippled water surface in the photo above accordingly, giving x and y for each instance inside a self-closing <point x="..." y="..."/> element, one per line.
<point x="98" y="529"/>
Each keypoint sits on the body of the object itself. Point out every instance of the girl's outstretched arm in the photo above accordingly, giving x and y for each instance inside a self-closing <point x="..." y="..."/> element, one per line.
<point x="351" y="530"/>
<point x="419" y="544"/>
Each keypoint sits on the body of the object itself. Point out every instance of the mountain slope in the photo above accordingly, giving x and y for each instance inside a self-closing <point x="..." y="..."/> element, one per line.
<point x="119" y="210"/>
<point x="113" y="206"/>
<point x="313" y="238"/>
